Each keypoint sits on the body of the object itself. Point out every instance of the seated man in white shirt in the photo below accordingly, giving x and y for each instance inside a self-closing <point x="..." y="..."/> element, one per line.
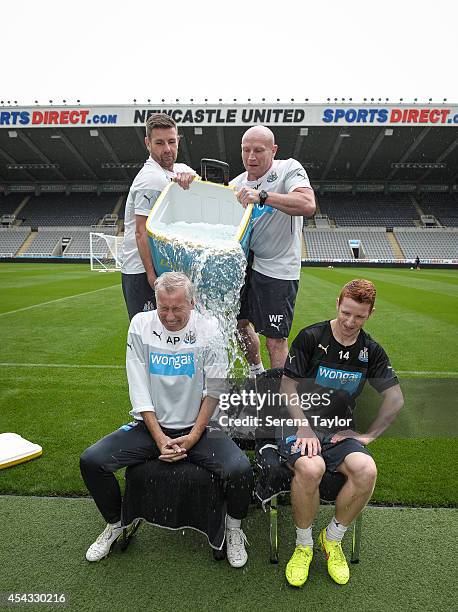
<point x="175" y="361"/>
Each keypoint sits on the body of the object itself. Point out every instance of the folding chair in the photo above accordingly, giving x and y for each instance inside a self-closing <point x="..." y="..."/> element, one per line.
<point x="275" y="479"/>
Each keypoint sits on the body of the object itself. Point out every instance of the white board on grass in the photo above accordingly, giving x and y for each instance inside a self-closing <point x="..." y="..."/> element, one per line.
<point x="14" y="449"/>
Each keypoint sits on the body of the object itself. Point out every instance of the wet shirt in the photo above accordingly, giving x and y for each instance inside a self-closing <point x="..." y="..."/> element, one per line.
<point x="170" y="373"/>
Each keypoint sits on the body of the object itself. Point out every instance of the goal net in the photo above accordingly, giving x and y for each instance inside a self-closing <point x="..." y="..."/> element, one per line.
<point x="105" y="252"/>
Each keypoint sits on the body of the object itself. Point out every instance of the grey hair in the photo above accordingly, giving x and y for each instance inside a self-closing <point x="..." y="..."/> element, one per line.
<point x="171" y="281"/>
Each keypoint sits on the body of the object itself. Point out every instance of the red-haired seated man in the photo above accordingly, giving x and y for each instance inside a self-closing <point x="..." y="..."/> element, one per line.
<point x="326" y="369"/>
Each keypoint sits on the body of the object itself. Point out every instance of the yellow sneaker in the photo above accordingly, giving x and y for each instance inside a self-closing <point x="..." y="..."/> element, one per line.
<point x="337" y="564"/>
<point x="297" y="569"/>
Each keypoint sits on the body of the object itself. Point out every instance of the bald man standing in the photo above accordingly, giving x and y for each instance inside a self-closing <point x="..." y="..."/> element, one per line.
<point x="281" y="193"/>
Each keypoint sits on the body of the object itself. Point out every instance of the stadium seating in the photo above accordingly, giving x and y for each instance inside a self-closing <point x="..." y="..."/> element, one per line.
<point x="435" y="243"/>
<point x="443" y="206"/>
<point x="79" y="244"/>
<point x="333" y="243"/>
<point x="11" y="240"/>
<point x="52" y="209"/>
<point x="48" y="242"/>
<point x="9" y="203"/>
<point x="368" y="209"/>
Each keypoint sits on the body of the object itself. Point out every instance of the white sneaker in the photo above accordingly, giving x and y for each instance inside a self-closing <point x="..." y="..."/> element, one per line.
<point x="102" y="546"/>
<point x="235" y="547"/>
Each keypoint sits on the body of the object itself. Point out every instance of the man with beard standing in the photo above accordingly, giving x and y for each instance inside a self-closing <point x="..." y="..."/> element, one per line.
<point x="138" y="273"/>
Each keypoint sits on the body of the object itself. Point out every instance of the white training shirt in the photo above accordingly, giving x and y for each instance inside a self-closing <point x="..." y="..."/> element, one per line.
<point x="169" y="373"/>
<point x="276" y="237"/>
<point x="143" y="193"/>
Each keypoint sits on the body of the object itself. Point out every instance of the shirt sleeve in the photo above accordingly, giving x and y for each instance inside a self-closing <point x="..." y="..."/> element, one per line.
<point x="380" y="374"/>
<point x="296" y="177"/>
<point x="144" y="200"/>
<point x="299" y="355"/>
<point x="137" y="372"/>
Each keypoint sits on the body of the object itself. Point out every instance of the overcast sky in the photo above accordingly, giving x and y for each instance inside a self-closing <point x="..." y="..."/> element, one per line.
<point x="105" y="52"/>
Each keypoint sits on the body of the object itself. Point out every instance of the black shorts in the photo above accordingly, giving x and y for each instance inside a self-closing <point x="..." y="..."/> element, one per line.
<point x="268" y="303"/>
<point x="138" y="293"/>
<point x="333" y="454"/>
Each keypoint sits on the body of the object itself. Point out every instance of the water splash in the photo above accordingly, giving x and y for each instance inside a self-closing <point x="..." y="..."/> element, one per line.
<point x="215" y="262"/>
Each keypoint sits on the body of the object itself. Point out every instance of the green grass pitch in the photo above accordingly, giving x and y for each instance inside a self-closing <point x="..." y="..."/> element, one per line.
<point x="63" y="385"/>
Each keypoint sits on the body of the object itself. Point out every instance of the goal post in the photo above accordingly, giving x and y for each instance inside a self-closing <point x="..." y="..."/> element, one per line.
<point x="105" y="252"/>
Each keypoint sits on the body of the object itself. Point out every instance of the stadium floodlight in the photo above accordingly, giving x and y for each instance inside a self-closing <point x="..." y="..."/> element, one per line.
<point x="104" y="252"/>
<point x="94" y="133"/>
<point x="304" y="131"/>
<point x="12" y="133"/>
<point x="198" y="131"/>
<point x="389" y="132"/>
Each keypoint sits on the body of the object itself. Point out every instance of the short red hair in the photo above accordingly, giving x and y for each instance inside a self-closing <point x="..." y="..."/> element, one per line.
<point x="360" y="290"/>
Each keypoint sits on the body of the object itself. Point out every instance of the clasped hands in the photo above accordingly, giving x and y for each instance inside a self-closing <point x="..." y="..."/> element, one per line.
<point x="174" y="449"/>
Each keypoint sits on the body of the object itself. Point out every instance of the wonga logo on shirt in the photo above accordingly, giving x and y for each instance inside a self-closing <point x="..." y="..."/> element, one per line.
<point x="163" y="364"/>
<point x="338" y="379"/>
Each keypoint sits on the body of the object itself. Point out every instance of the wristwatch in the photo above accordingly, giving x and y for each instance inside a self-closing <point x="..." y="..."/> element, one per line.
<point x="263" y="195"/>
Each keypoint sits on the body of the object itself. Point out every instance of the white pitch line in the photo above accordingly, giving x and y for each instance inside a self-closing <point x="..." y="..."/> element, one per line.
<point x="68" y="297"/>
<point x="94" y="366"/>
<point x="62" y="365"/>
<point x="426" y="372"/>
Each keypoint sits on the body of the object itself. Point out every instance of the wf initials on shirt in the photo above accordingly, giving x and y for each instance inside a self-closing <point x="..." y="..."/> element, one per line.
<point x="275" y="320"/>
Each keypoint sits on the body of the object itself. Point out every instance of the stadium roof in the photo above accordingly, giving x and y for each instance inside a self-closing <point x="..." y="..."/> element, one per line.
<point x="338" y="144"/>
